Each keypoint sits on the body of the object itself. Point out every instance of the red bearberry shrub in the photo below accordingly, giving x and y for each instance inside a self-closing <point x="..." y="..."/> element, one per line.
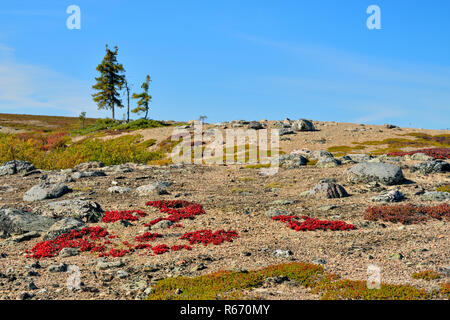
<point x="179" y="247"/>
<point x="160" y="249"/>
<point x="147" y="237"/>
<point x="176" y="209"/>
<point x="207" y="236"/>
<point x="312" y="224"/>
<point x="437" y="153"/>
<point x="116" y="253"/>
<point x="83" y="239"/>
<point x="407" y="214"/>
<point x="130" y="215"/>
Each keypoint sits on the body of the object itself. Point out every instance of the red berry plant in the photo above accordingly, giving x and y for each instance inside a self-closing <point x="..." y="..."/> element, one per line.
<point x="176" y="209"/>
<point x="437" y="153"/>
<point x="130" y="215"/>
<point x="407" y="214"/>
<point x="207" y="236"/>
<point x="312" y="224"/>
<point x="89" y="239"/>
<point x="85" y="239"/>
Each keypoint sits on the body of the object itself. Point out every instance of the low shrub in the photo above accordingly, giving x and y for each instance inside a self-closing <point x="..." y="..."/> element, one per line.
<point x="444" y="188"/>
<point x="219" y="284"/>
<point x="232" y="285"/>
<point x="113" y="216"/>
<point x="312" y="224"/>
<point x="407" y="214"/>
<point x="54" y="152"/>
<point x="207" y="236"/>
<point x="437" y="153"/>
<point x="425" y="275"/>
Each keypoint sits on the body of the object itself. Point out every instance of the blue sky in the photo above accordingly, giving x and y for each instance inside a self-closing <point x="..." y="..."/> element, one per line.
<point x="235" y="59"/>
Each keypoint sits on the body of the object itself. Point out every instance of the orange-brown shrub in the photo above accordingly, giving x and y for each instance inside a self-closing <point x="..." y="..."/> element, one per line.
<point x="407" y="214"/>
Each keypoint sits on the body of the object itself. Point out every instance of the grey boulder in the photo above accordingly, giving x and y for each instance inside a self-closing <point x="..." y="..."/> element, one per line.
<point x="15" y="222"/>
<point x="384" y="173"/>
<point x="327" y="190"/>
<point x="431" y="166"/>
<point x="292" y="161"/>
<point x="85" y="210"/>
<point x="45" y="191"/>
<point x="436" y="196"/>
<point x="303" y="125"/>
<point x="390" y="196"/>
<point x="63" y="226"/>
<point x="16" y="166"/>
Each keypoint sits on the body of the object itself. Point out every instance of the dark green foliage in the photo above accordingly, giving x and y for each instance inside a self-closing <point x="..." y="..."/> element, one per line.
<point x="144" y="98"/>
<point x="110" y="82"/>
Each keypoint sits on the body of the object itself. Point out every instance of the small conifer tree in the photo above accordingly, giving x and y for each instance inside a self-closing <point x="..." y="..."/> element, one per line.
<point x="144" y="98"/>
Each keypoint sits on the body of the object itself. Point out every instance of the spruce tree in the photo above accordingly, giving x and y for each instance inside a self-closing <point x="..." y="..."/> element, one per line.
<point x="110" y="82"/>
<point x="144" y="97"/>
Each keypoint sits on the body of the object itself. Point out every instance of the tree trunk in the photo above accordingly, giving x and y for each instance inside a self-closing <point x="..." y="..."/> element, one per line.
<point x="112" y="108"/>
<point x="146" y="114"/>
<point x="128" y="104"/>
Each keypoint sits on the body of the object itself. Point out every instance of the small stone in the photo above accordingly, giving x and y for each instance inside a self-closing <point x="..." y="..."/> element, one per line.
<point x="32" y="286"/>
<point x="396" y="256"/>
<point x="274" y="212"/>
<point x="122" y="274"/>
<point x="319" y="261"/>
<point x="103" y="265"/>
<point x="119" y="190"/>
<point x="198" y="267"/>
<point x="390" y="196"/>
<point x="69" y="252"/>
<point x="282" y="253"/>
<point x="62" y="267"/>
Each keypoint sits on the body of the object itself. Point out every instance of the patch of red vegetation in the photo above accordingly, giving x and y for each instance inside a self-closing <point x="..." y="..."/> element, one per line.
<point x="160" y="249"/>
<point x="437" y="153"/>
<point x="130" y="215"/>
<point x="87" y="238"/>
<point x="147" y="237"/>
<point x="207" y="236"/>
<point x="407" y="214"/>
<point x="312" y="224"/>
<point x="177" y="210"/>
<point x="83" y="239"/>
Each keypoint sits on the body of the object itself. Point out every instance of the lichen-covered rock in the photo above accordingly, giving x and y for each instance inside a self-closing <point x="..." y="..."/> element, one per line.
<point x="87" y="174"/>
<point x="157" y="188"/>
<point x="118" y="189"/>
<point x="274" y="212"/>
<point x="384" y="173"/>
<point x="328" y="162"/>
<point x="436" y="196"/>
<point x="45" y="191"/>
<point x="359" y="157"/>
<point x="390" y="196"/>
<point x="63" y="226"/>
<point x="14" y="222"/>
<point x="420" y="157"/>
<point x="255" y="125"/>
<point x="85" y="210"/>
<point x="16" y="166"/>
<point x="85" y="166"/>
<point x="292" y="161"/>
<point x="328" y="190"/>
<point x="303" y="125"/>
<point x="431" y="166"/>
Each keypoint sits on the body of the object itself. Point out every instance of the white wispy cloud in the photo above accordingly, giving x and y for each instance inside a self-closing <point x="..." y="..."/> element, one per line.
<point x="35" y="89"/>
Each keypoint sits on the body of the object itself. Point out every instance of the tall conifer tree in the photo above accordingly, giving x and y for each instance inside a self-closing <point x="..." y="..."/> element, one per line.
<point x="110" y="82"/>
